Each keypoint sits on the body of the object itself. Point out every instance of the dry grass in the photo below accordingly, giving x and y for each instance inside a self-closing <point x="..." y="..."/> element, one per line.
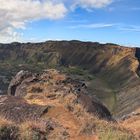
<point x="132" y="124"/>
<point x="8" y="130"/>
<point x="114" y="134"/>
<point x="72" y="119"/>
<point x="4" y="121"/>
<point x="84" y="127"/>
<point x="39" y="99"/>
<point x="91" y="125"/>
<point x="33" y="130"/>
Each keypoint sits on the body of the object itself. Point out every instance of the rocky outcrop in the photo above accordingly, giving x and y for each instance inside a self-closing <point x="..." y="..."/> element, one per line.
<point x="94" y="106"/>
<point x="18" y="110"/>
<point x="57" y="86"/>
<point x="21" y="76"/>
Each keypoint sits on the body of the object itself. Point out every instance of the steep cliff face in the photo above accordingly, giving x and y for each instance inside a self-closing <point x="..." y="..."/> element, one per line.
<point x="114" y="68"/>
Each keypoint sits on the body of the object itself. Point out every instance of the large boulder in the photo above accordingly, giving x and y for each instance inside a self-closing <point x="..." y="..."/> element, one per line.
<point x="18" y="109"/>
<point x="93" y="105"/>
<point x="22" y="78"/>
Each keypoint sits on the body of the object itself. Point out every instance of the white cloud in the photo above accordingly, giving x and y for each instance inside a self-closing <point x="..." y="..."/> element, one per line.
<point x="9" y="35"/>
<point x="94" y="26"/>
<point x="131" y="28"/>
<point x="14" y="14"/>
<point x="90" y="4"/>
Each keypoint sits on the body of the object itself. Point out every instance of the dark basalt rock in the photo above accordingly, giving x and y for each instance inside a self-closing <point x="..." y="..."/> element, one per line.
<point x="18" y="110"/>
<point x="94" y="106"/>
<point x="22" y="78"/>
<point x="91" y="104"/>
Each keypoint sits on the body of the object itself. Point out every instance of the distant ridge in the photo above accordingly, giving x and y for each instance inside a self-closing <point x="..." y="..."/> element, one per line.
<point x="115" y="65"/>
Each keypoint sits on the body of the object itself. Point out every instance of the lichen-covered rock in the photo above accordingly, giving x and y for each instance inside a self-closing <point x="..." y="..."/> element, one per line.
<point x="21" y="77"/>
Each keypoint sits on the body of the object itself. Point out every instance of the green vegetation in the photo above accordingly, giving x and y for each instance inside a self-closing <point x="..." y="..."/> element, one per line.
<point x="112" y="134"/>
<point x="112" y="64"/>
<point x="78" y="71"/>
<point x="106" y="130"/>
<point x="96" y="85"/>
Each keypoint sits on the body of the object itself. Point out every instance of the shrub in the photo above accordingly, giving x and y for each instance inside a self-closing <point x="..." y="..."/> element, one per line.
<point x="8" y="130"/>
<point x="114" y="134"/>
<point x="33" y="131"/>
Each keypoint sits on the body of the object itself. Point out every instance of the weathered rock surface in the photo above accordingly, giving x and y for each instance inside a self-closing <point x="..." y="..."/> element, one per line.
<point x="17" y="109"/>
<point x="57" y="85"/>
<point x="20" y="81"/>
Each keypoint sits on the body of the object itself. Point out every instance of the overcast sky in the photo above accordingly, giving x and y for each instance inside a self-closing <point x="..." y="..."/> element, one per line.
<point x="116" y="21"/>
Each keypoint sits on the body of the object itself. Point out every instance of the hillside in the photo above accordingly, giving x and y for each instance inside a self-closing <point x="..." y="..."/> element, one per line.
<point x="54" y="106"/>
<point x="110" y="71"/>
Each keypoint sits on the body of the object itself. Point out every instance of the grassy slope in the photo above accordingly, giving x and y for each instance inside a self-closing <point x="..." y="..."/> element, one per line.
<point x="96" y="86"/>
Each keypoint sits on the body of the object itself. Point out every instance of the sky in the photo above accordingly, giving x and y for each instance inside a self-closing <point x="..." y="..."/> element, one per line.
<point x="105" y="21"/>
